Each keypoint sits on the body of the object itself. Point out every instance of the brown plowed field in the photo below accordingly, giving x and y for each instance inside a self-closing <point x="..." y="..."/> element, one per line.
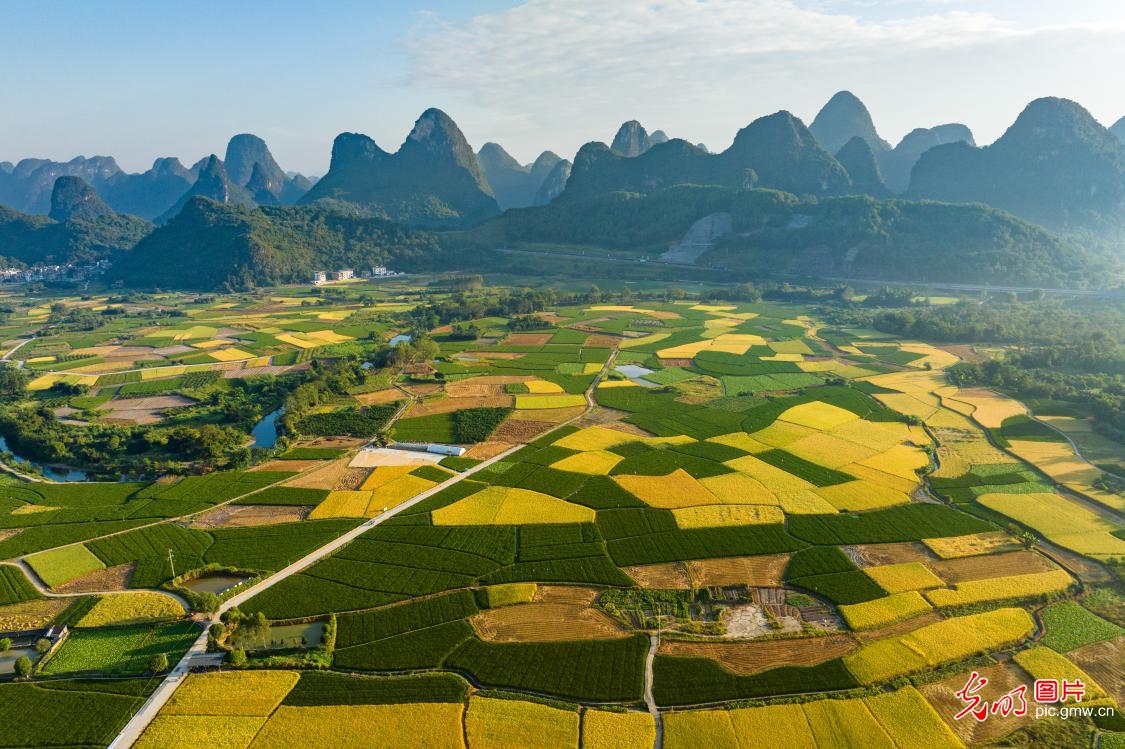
<point x="1105" y="663"/>
<point x="245" y="516"/>
<point x="573" y="594"/>
<point x="1002" y="678"/>
<point x="546" y="622"/>
<point x="669" y="576"/>
<point x="763" y="571"/>
<point x="993" y="565"/>
<point x="873" y="555"/>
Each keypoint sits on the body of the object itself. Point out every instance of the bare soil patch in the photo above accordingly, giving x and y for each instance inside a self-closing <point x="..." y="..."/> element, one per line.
<point x="667" y="575"/>
<point x="110" y="578"/>
<point x="423" y="389"/>
<point x="995" y="565"/>
<point x="353" y="478"/>
<point x="144" y="410"/>
<point x="288" y="465"/>
<point x="676" y="362"/>
<point x="749" y="621"/>
<point x="486" y="450"/>
<point x="448" y="405"/>
<point x="874" y="555"/>
<point x="572" y="594"/>
<point x="475" y="387"/>
<point x="551" y="415"/>
<point x="324" y="477"/>
<point x="273" y="371"/>
<point x="1002" y="678"/>
<point x="528" y="339"/>
<point x="545" y="622"/>
<point x="514" y="431"/>
<point x="1105" y="663"/>
<point x="600" y="340"/>
<point x="748" y="658"/>
<point x="245" y="516"/>
<point x="758" y="571"/>
<point x="963" y="351"/>
<point x="9" y="532"/>
<point x="379" y="397"/>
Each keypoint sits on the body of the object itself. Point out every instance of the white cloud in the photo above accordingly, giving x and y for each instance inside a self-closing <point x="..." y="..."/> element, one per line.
<point x="564" y="71"/>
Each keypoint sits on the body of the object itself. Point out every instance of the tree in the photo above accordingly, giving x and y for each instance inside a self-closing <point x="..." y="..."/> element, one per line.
<point x="5" y="644"/>
<point x="23" y="667"/>
<point x="12" y="381"/>
<point x="237" y="657"/>
<point x="158" y="663"/>
<point x="42" y="645"/>
<point x="208" y="603"/>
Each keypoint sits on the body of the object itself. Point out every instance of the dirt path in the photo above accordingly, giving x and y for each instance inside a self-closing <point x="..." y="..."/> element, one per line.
<point x="40" y="586"/>
<point x="653" y="645"/>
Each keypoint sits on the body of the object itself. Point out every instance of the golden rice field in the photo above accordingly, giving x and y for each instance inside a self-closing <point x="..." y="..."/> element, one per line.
<point x="935" y="644"/>
<point x="593" y="463"/>
<point x="342" y="503"/>
<point x="384" y="475"/>
<point x="508" y="594"/>
<point x="259" y="693"/>
<point x="989" y="408"/>
<point x="549" y="401"/>
<point x="194" y="731"/>
<point x="883" y="611"/>
<point x="1058" y="460"/>
<point x="435" y="725"/>
<point x="542" y="387"/>
<point x="957" y="547"/>
<point x="742" y="441"/>
<point x="899" y="578"/>
<point x="678" y="489"/>
<point x="901" y="460"/>
<point x="515" y="724"/>
<point x="817" y="415"/>
<point x="131" y="608"/>
<point x="738" y="488"/>
<point x="714" y="516"/>
<point x="881" y="478"/>
<point x="1000" y="588"/>
<point x="1060" y="520"/>
<point x="910" y="720"/>
<point x="803" y="502"/>
<point x="858" y="496"/>
<point x="501" y="505"/>
<point x="782" y="433"/>
<point x="395" y="492"/>
<point x="606" y="730"/>
<point x="603" y="438"/>
<point x="1044" y="663"/>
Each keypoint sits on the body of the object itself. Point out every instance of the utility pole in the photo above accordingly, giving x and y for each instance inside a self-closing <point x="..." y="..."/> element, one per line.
<point x="171" y="563"/>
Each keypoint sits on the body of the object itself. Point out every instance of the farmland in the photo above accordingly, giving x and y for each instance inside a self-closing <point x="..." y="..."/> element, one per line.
<point x="791" y="512"/>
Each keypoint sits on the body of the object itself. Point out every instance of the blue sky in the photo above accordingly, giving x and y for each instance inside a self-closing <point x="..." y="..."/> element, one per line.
<point x="138" y="80"/>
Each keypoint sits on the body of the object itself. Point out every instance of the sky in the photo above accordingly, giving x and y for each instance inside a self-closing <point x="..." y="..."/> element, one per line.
<point x="137" y="79"/>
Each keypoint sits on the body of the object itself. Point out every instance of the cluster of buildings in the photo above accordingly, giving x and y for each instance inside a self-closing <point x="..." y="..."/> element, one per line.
<point x="346" y="274"/>
<point x="68" y="272"/>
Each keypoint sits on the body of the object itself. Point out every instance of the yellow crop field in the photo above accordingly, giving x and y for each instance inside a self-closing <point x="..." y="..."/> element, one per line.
<point x="899" y="578"/>
<point x="131" y="608"/>
<point x="989" y="408"/>
<point x="1044" y="663"/>
<point x="803" y="502"/>
<point x="742" y="441"/>
<point x="40" y="359"/>
<point x="644" y="340"/>
<point x="259" y="693"/>
<point x="342" y="504"/>
<point x="861" y="495"/>
<point x="514" y="724"/>
<point x="384" y="475"/>
<point x="782" y="433"/>
<point x="45" y="382"/>
<point x="938" y="643"/>
<point x="155" y="373"/>
<point x="1057" y="460"/>
<point x="845" y="724"/>
<point x="972" y="545"/>
<point x="213" y="343"/>
<point x="435" y="725"/>
<point x="739" y="488"/>
<point x="193" y="731"/>
<point x="900" y="460"/>
<point x="932" y="357"/>
<point x="293" y="340"/>
<point x="542" y="387"/>
<point x="617" y="384"/>
<point x="784" y="357"/>
<point x="657" y="313"/>
<point x="395" y="492"/>
<point x="829" y="450"/>
<point x="730" y="343"/>
<point x="1000" y="588"/>
<point x="770" y="476"/>
<point x="258" y="361"/>
<point x="328" y="336"/>
<point x="697" y="728"/>
<point x="229" y="354"/>
<point x="509" y="594"/>
<point x="883" y="611"/>
<point x="606" y="730"/>
<point x="549" y="401"/>
<point x="593" y="463"/>
<point x="881" y="478"/>
<point x="1060" y="520"/>
<point x="501" y="505"/>
<point x="794" y="346"/>
<point x="678" y="489"/>
<point x="818" y="415"/>
<point x="774" y="726"/>
<point x="911" y="721"/>
<point x="603" y="438"/>
<point x="714" y="516"/>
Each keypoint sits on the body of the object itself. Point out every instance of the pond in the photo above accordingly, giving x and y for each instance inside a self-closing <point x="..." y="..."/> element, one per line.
<point x="214" y="583"/>
<point x="283" y="636"/>
<point x="53" y="472"/>
<point x="264" y="433"/>
<point x="400" y="338"/>
<point x="9" y="658"/>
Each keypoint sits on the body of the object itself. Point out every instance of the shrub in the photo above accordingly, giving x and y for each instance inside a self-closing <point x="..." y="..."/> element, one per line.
<point x="158" y="663"/>
<point x="22" y="667"/>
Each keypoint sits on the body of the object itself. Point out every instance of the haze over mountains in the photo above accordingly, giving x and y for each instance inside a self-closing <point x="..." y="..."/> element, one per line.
<point x="1055" y="166"/>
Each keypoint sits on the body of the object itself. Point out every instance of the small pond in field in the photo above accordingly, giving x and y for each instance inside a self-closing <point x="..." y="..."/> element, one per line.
<point x="264" y="432"/>
<point x="400" y="338"/>
<point x="9" y="658"/>
<point x="214" y="583"/>
<point x="285" y="636"/>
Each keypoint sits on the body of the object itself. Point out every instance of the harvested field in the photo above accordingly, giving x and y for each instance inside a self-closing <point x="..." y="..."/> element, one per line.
<point x="667" y="576"/>
<point x="486" y="450"/>
<point x="449" y="405"/>
<point x="352" y="479"/>
<point x="477" y="387"/>
<point x="381" y="397"/>
<point x="754" y="657"/>
<point x="110" y="578"/>
<point x="144" y="410"/>
<point x="546" y="622"/>
<point x="245" y="516"/>
<point x="515" y="430"/>
<point x="599" y="340"/>
<point x="993" y="565"/>
<point x="875" y="555"/>
<point x="956" y="547"/>
<point x="389" y="456"/>
<point x="324" y="477"/>
<point x="718" y="516"/>
<point x="572" y="594"/>
<point x="898" y="628"/>
<point x="31" y="614"/>
<point x="527" y="339"/>
<point x="1002" y="678"/>
<point x="550" y="415"/>
<point x="757" y="571"/>
<point x="1105" y="662"/>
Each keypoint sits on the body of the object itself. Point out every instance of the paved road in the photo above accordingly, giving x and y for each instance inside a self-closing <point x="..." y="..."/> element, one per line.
<point x="653" y="644"/>
<point x="14" y="349"/>
<point x="197" y="654"/>
<point x="39" y="585"/>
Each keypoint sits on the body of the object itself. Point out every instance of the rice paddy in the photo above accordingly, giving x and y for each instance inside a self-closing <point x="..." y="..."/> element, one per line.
<point x="498" y="505"/>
